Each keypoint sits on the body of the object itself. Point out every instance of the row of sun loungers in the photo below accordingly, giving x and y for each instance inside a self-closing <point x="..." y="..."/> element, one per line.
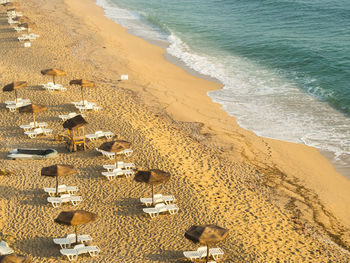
<point x="120" y="164"/>
<point x="117" y="173"/>
<point x="66" y="242"/>
<point x="12" y="105"/>
<point x="29" y="37"/>
<point x="65" y="198"/>
<point x="31" y="126"/>
<point x="161" y="208"/>
<point x="99" y="134"/>
<point x="62" y="189"/>
<point x="78" y="249"/>
<point x="38" y="131"/>
<point x="69" y="116"/>
<point x="111" y="155"/>
<point x="159" y="198"/>
<point x="50" y="86"/>
<point x="73" y="253"/>
<point x="86" y="106"/>
<point x="201" y="252"/>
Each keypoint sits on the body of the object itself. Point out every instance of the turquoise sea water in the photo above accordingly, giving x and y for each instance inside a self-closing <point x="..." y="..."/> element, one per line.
<point x="285" y="64"/>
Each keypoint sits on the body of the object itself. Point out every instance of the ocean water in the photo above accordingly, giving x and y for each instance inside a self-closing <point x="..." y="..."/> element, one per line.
<point x="284" y="64"/>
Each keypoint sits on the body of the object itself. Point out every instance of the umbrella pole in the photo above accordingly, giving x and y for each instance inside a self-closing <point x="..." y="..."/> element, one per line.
<point x="116" y="160"/>
<point x="16" y="96"/>
<point x="34" y="120"/>
<point x="153" y="195"/>
<point x="207" y="253"/>
<point x="53" y="79"/>
<point x="82" y="95"/>
<point x="56" y="185"/>
<point x="76" y="235"/>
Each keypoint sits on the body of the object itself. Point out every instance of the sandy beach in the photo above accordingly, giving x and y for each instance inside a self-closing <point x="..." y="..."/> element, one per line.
<point x="282" y="202"/>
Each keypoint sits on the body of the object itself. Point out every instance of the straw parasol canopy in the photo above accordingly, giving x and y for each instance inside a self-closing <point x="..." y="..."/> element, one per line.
<point x="152" y="177"/>
<point x="206" y="234"/>
<point x="32" y="108"/>
<point x="115" y="146"/>
<point x="14" y="86"/>
<point x="12" y="9"/>
<point x="53" y="72"/>
<point x="83" y="84"/>
<point x="58" y="170"/>
<point x="75" y="218"/>
<point x="14" y="258"/>
<point x="75" y="122"/>
<point x="11" y="4"/>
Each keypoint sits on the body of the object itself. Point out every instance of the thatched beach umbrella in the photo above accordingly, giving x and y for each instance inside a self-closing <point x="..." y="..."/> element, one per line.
<point x="14" y="258"/>
<point x="83" y="84"/>
<point x="115" y="146"/>
<point x="14" y="86"/>
<point x="75" y="218"/>
<point x="58" y="170"/>
<point x="11" y="4"/>
<point x="152" y="177"/>
<point x="206" y="234"/>
<point x="75" y="122"/>
<point x="31" y="108"/>
<point x="53" y="72"/>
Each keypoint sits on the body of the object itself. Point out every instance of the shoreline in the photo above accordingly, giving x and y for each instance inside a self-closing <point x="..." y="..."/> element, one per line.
<point x="279" y="200"/>
<point x="341" y="168"/>
<point x="337" y="192"/>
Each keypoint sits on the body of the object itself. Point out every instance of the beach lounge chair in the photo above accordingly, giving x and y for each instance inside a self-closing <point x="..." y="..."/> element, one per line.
<point x="66" y="242"/>
<point x="87" y="108"/>
<point x="69" y="116"/>
<point x="13" y="107"/>
<point x="117" y="172"/>
<point x="66" y="198"/>
<point x="109" y="155"/>
<point x="30" y="126"/>
<point x="72" y="253"/>
<point x="19" y="100"/>
<point x="83" y="103"/>
<point x="50" y="86"/>
<point x="5" y="249"/>
<point x="121" y="165"/>
<point x="159" y="198"/>
<point x="38" y="131"/>
<point x="62" y="189"/>
<point x="99" y="134"/>
<point x="161" y="208"/>
<point x="217" y="253"/>
<point x="19" y="29"/>
<point x="126" y="152"/>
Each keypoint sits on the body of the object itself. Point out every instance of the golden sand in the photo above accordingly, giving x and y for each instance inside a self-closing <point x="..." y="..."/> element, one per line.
<point x="282" y="202"/>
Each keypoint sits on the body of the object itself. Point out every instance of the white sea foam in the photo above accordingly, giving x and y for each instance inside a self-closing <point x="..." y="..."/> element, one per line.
<point x="261" y="99"/>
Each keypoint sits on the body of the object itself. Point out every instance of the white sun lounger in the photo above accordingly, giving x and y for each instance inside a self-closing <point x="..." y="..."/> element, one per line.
<point x="62" y="189"/>
<point x="81" y="103"/>
<point x="73" y="253"/>
<point x="160" y="208"/>
<point x="99" y="134"/>
<point x="69" y="116"/>
<point x="121" y="165"/>
<point x="19" y="100"/>
<point x="30" y="126"/>
<point x="217" y="253"/>
<point x="158" y="198"/>
<point x="5" y="249"/>
<point x="87" y="108"/>
<point x="66" y="242"/>
<point x="66" y="198"/>
<point x="11" y="21"/>
<point x="53" y="87"/>
<point x="116" y="173"/>
<point x="19" y="29"/>
<point x="38" y="131"/>
<point x="13" y="107"/>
